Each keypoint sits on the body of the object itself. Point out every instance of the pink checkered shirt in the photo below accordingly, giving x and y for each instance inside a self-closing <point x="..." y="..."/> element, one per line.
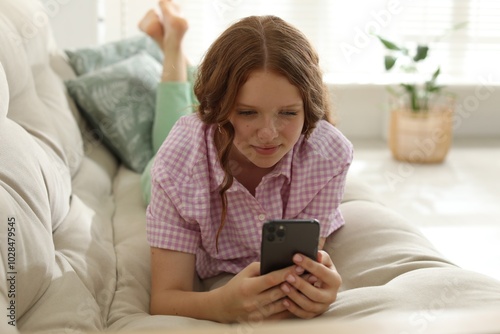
<point x="185" y="209"/>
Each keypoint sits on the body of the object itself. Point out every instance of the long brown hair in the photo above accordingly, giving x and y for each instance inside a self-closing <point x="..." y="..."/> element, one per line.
<point x="255" y="43"/>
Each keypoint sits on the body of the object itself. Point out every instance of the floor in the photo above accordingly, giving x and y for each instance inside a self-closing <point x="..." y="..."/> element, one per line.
<point x="456" y="203"/>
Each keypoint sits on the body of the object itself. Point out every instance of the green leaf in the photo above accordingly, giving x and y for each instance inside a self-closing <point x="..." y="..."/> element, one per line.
<point x="394" y="92"/>
<point x="389" y="45"/>
<point x="436" y="74"/>
<point x="430" y="86"/>
<point x="409" y="88"/>
<point x="412" y="92"/>
<point x="421" y="54"/>
<point x="434" y="88"/>
<point x="389" y="62"/>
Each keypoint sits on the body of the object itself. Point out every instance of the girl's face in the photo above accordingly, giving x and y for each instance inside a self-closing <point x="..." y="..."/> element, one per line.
<point x="268" y="118"/>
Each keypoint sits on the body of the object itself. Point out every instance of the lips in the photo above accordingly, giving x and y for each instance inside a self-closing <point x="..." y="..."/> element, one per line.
<point x="266" y="150"/>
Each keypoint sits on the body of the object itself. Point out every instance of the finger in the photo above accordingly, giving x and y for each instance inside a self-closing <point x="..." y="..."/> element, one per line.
<point x="297" y="297"/>
<point x="271" y="279"/>
<point x="265" y="308"/>
<point x="314" y="281"/>
<point x="253" y="269"/>
<point x="282" y="315"/>
<point x="270" y="296"/>
<point x="324" y="258"/>
<point x="319" y="258"/>
<point x="304" y="294"/>
<point x="268" y="310"/>
<point x="300" y="271"/>
<point x="297" y="310"/>
<point x="324" y="271"/>
<point x="307" y="304"/>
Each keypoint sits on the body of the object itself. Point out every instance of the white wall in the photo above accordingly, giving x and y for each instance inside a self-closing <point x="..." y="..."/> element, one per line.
<point x="362" y="110"/>
<point x="74" y="22"/>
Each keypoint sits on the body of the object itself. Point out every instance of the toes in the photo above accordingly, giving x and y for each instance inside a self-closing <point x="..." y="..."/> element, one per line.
<point x="148" y="20"/>
<point x="152" y="26"/>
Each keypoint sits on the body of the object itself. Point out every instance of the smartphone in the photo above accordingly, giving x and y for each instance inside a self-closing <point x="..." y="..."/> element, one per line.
<point x="281" y="239"/>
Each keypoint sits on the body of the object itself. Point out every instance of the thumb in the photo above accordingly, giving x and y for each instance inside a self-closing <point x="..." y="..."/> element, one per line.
<point x="319" y="257"/>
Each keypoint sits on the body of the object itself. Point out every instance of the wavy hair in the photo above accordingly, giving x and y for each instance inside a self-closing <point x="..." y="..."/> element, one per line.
<point x="255" y="43"/>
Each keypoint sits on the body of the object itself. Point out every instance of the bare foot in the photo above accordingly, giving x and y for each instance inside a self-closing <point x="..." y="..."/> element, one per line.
<point x="151" y="25"/>
<point x="168" y="29"/>
<point x="173" y="19"/>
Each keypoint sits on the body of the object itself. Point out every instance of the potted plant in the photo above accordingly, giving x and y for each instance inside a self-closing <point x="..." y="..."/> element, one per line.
<point x="421" y="114"/>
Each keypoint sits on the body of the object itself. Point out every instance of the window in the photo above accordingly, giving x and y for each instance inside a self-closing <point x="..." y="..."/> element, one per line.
<point x="342" y="31"/>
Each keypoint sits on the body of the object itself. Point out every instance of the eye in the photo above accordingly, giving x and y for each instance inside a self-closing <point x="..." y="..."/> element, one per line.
<point x="246" y="112"/>
<point x="289" y="113"/>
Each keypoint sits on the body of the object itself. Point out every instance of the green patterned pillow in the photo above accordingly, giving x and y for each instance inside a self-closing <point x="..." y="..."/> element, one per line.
<point x="86" y="60"/>
<point x="119" y="102"/>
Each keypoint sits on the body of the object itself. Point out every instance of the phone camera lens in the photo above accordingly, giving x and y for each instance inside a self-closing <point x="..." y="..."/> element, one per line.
<point x="281" y="232"/>
<point x="271" y="229"/>
<point x="270" y="237"/>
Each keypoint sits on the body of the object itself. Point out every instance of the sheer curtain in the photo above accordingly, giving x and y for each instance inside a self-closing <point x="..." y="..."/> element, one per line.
<point x="343" y="31"/>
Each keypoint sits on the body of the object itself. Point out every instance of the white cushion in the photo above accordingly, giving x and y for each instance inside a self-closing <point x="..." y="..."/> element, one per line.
<point x="37" y="100"/>
<point x="4" y="94"/>
<point x="387" y="264"/>
<point x="65" y="259"/>
<point x="30" y="189"/>
<point x="60" y="199"/>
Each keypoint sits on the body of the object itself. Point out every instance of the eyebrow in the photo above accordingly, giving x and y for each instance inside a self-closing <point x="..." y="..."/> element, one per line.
<point x="293" y="105"/>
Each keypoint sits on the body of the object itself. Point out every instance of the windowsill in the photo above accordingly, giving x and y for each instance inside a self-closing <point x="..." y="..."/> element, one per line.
<point x="384" y="79"/>
<point x="361" y="106"/>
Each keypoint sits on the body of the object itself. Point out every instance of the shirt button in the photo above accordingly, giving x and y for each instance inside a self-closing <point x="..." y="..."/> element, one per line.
<point x="262" y="217"/>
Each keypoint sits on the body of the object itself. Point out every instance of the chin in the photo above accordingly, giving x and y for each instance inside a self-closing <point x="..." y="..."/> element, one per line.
<point x="266" y="164"/>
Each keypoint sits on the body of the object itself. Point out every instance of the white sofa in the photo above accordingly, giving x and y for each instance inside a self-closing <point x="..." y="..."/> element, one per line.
<point x="72" y="221"/>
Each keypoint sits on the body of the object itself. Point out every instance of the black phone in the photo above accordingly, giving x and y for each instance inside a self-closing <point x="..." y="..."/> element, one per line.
<point x="281" y="239"/>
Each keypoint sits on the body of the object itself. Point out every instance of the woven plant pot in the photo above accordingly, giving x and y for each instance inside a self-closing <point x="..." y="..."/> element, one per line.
<point x="421" y="137"/>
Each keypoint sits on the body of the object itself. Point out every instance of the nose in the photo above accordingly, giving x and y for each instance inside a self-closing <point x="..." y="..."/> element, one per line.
<point x="268" y="131"/>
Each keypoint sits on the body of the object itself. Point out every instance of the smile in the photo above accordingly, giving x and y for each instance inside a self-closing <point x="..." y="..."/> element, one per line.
<point x="266" y="150"/>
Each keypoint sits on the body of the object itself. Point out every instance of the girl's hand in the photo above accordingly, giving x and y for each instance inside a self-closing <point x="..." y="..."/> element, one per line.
<point x="310" y="295"/>
<point x="251" y="297"/>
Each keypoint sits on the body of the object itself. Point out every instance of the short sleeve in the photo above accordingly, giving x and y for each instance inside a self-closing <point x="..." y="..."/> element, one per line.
<point x="318" y="175"/>
<point x="325" y="205"/>
<point x="165" y="226"/>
